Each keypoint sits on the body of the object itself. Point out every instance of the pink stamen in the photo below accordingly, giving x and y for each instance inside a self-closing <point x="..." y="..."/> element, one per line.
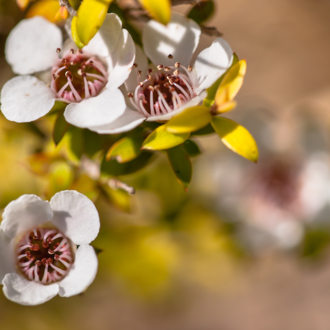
<point x="87" y="94"/>
<point x="174" y="90"/>
<point x="76" y="77"/>
<point x="46" y="247"/>
<point x="73" y="90"/>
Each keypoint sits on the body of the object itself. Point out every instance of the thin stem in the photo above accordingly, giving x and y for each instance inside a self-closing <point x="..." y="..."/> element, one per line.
<point x="67" y="5"/>
<point x="184" y="2"/>
<point x="115" y="184"/>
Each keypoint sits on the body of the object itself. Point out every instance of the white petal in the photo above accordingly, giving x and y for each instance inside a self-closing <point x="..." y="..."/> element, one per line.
<point x="126" y="122"/>
<point x="213" y="62"/>
<point x="76" y="216"/>
<point x="31" y="45"/>
<point x="289" y="234"/>
<point x="7" y="257"/>
<point x="179" y="38"/>
<point x="96" y="111"/>
<point x="195" y="101"/>
<point x="25" y="213"/>
<point x="315" y="184"/>
<point x="82" y="273"/>
<point x="121" y="60"/>
<point x="106" y="40"/>
<point x="142" y="62"/>
<point x="19" y="290"/>
<point x="25" y="99"/>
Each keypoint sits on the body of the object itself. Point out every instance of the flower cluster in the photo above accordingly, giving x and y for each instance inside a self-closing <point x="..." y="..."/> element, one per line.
<point x="101" y="81"/>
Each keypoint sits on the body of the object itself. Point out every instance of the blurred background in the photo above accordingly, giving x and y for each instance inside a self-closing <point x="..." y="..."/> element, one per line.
<point x="247" y="247"/>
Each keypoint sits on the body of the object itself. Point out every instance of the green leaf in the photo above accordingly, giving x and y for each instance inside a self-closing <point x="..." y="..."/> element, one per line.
<point x="236" y="138"/>
<point x="202" y="11"/>
<point x="315" y="243"/>
<point x="97" y="250"/>
<point x="114" y="8"/>
<point x="76" y="141"/>
<point x="181" y="165"/>
<point x="151" y="125"/>
<point x="90" y="17"/>
<point x="60" y="128"/>
<point x="114" y="168"/>
<point x="160" y="139"/>
<point x="189" y="120"/>
<point x="94" y="142"/>
<point x="231" y="84"/>
<point x="208" y="129"/>
<point x="58" y="106"/>
<point x="125" y="149"/>
<point x="209" y="100"/>
<point x="192" y="148"/>
<point x="75" y="3"/>
<point x="159" y="10"/>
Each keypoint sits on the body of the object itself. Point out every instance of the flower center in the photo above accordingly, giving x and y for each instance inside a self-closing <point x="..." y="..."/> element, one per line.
<point x="164" y="91"/>
<point x="77" y="76"/>
<point x="278" y="182"/>
<point x="44" y="255"/>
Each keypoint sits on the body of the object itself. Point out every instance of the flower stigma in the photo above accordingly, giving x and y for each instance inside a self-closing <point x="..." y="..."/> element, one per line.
<point x="77" y="76"/>
<point x="164" y="91"/>
<point x="44" y="255"/>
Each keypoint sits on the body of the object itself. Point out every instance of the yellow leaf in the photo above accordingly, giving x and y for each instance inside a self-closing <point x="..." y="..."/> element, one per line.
<point x="160" y="139"/>
<point x="231" y="83"/>
<point x="236" y="138"/>
<point x="90" y="17"/>
<point x="225" y="107"/>
<point x="189" y="120"/>
<point x="126" y="149"/>
<point x="160" y="10"/>
<point x="211" y="91"/>
<point x="46" y="8"/>
<point x="74" y="33"/>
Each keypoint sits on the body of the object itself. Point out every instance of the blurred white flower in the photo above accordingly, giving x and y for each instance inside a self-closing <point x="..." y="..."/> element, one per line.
<point x="87" y="79"/>
<point x="273" y="201"/>
<point x="170" y="85"/>
<point x="39" y="257"/>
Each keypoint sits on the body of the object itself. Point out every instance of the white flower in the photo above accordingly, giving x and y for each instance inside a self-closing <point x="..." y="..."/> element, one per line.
<point x="38" y="247"/>
<point x="171" y="85"/>
<point x="88" y="80"/>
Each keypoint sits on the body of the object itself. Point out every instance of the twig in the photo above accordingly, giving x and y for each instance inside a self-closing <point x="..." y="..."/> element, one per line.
<point x="67" y="5"/>
<point x="211" y="31"/>
<point x="185" y="2"/>
<point x="116" y="184"/>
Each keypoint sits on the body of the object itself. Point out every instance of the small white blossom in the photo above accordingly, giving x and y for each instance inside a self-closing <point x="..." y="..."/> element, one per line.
<point x="171" y="84"/>
<point x="39" y="257"/>
<point x="289" y="189"/>
<point x="86" y="79"/>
